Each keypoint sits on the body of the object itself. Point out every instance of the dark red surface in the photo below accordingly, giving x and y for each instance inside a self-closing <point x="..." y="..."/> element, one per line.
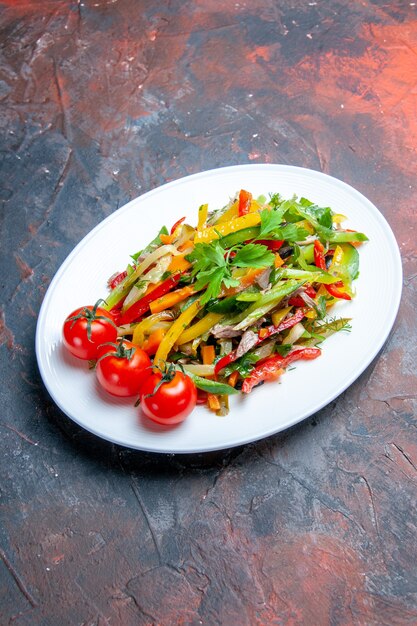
<point x="101" y="101"/>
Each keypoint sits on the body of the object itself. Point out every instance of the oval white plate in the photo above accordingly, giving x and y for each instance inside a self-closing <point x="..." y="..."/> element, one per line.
<point x="310" y="386"/>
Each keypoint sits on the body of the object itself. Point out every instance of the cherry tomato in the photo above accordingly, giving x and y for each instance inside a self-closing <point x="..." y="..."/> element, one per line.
<point x="122" y="367"/>
<point x="86" y="329"/>
<point x="168" y="398"/>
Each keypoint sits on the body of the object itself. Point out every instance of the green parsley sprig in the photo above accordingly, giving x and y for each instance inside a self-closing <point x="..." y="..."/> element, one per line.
<point x="272" y="226"/>
<point x="213" y="265"/>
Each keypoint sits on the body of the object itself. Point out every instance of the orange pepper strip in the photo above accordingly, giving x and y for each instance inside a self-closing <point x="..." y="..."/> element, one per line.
<point x="187" y="244"/>
<point x="151" y="344"/>
<point x="174" y="297"/>
<point x="213" y="402"/>
<point x="151" y="287"/>
<point x="208" y="354"/>
<point x="167" y="239"/>
<point x="245" y="281"/>
<point x="233" y="378"/>
<point x="278" y="261"/>
<point x="179" y="264"/>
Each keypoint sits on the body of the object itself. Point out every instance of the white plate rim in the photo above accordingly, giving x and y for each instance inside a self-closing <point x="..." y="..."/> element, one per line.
<point x="395" y="299"/>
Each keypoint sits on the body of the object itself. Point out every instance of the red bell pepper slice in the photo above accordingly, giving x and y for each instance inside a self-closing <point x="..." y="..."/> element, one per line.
<point x="298" y="301"/>
<point x="115" y="312"/>
<point x="319" y="258"/>
<point x="225" y="361"/>
<point x="137" y="310"/>
<point x="271" y="244"/>
<point x="245" y="199"/>
<point x="178" y="223"/>
<point x="272" y="330"/>
<point x="334" y="291"/>
<point x="287" y="323"/>
<point x="320" y="261"/>
<point x="271" y="367"/>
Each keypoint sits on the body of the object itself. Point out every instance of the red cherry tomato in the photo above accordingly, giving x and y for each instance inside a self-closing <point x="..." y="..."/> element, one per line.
<point x="122" y="368"/>
<point x="168" y="399"/>
<point x="86" y="329"/>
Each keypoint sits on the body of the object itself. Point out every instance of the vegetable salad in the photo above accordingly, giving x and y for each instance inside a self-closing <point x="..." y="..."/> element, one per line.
<point x="235" y="300"/>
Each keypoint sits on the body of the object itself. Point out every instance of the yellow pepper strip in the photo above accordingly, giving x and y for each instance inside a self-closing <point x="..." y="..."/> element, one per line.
<point x="179" y="264"/>
<point x="277" y="261"/>
<point x="230" y="214"/>
<point x="201" y="327"/>
<point x="175" y="331"/>
<point x="337" y="258"/>
<point x="338" y="218"/>
<point x="255" y="206"/>
<point x="169" y="299"/>
<point x="323" y="292"/>
<point x="145" y="326"/>
<point x="194" y="345"/>
<point x="278" y="316"/>
<point x="232" y="211"/>
<point x="213" y="402"/>
<point x="208" y="354"/>
<point x="225" y="228"/>
<point x="138" y="336"/>
<point x="307" y="226"/>
<point x="202" y="216"/>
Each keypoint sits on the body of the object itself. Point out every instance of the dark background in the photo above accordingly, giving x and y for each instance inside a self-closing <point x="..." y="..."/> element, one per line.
<point x="100" y="102"/>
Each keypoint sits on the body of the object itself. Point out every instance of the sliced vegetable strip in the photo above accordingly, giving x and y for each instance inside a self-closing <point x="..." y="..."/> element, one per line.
<point x="147" y="325"/>
<point x="267" y="301"/>
<point x="263" y="334"/>
<point x="138" y="309"/>
<point x="176" y="225"/>
<point x="226" y="228"/>
<point x="225" y="361"/>
<point x="336" y="291"/>
<point x="174" y="332"/>
<point x="168" y="300"/>
<point x="202" y="216"/>
<point x="200" y="328"/>
<point x="213" y="402"/>
<point x="245" y="199"/>
<point x="208" y="354"/>
<point x="179" y="264"/>
<point x="211" y="386"/>
<point x="287" y="323"/>
<point x="117" y="279"/>
<point x="272" y="368"/>
<point x="333" y="290"/>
